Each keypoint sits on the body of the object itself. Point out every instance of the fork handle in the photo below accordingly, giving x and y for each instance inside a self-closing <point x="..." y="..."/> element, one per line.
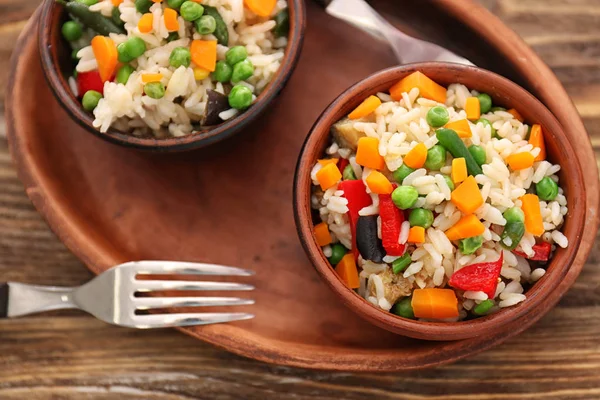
<point x="18" y="299"/>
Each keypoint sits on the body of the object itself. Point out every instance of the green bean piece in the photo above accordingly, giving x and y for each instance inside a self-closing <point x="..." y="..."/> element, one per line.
<point x="143" y="6"/>
<point x="90" y="100"/>
<point x="404" y="197"/>
<point x="75" y="73"/>
<point x="338" y="251"/>
<point x="72" y="31"/>
<point x="180" y="56"/>
<point x="449" y="182"/>
<point x="175" y="4"/>
<point x="494" y="109"/>
<point x="404" y="309"/>
<point x="436" y="158"/>
<point x="478" y="153"/>
<point x="437" y="116"/>
<point x="282" y="23"/>
<point x="87" y="2"/>
<point x="242" y="71"/>
<point x="191" y="11"/>
<point x="421" y="217"/>
<point x="223" y="72"/>
<point x="115" y="16"/>
<point x="93" y="20"/>
<point x="124" y="73"/>
<point x="470" y="245"/>
<point x="74" y="54"/>
<point x="221" y="32"/>
<point x="485" y="102"/>
<point x="155" y="90"/>
<point x="514" y="214"/>
<point x="348" y="173"/>
<point x="240" y="97"/>
<point x="402" y="173"/>
<point x="483" y="307"/>
<point x="235" y="55"/>
<point x="512" y="234"/>
<point x="401" y="263"/>
<point x="206" y="25"/>
<point x="546" y="189"/>
<point x="454" y="144"/>
<point x="172" y="36"/>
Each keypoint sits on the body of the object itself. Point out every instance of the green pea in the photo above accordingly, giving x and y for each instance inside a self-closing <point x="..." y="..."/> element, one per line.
<point x="494" y="109"/>
<point x="191" y="11"/>
<point x="437" y="116"/>
<point x="421" y="217"/>
<point x="449" y="182"/>
<point x="72" y="31"/>
<point x="88" y="2"/>
<point x="546" y="189"/>
<point x="483" y="307"/>
<point x="514" y="214"/>
<point x="401" y="263"/>
<point x="470" y="245"/>
<point x="155" y="90"/>
<point x="223" y="72"/>
<point x="402" y="173"/>
<point x="404" y="197"/>
<point x="485" y="102"/>
<point x="131" y="49"/>
<point x="478" y="154"/>
<point x="175" y="3"/>
<point x="172" y="36"/>
<point x="206" y="25"/>
<point x="90" y="100"/>
<point x="338" y="251"/>
<point x="348" y="173"/>
<point x="436" y="158"/>
<point x="143" y="6"/>
<point x="486" y="122"/>
<point x="180" y="56"/>
<point x="124" y="73"/>
<point x="236" y="54"/>
<point x="404" y="309"/>
<point x="242" y="71"/>
<point x="240" y="97"/>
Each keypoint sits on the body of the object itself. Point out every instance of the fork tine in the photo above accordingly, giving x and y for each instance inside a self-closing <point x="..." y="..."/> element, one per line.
<point x="184" y="268"/>
<point x="147" y="303"/>
<point x="188" y="319"/>
<point x="153" y="285"/>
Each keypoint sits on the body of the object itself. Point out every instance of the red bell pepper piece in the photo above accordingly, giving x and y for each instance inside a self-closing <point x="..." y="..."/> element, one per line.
<point x="482" y="277"/>
<point x="391" y="222"/>
<point x="89" y="81"/>
<point x="541" y="252"/>
<point x="342" y="164"/>
<point x="355" y="192"/>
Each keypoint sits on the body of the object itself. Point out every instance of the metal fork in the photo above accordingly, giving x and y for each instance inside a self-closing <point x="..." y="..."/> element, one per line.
<point x="111" y="298"/>
<point x="406" y="48"/>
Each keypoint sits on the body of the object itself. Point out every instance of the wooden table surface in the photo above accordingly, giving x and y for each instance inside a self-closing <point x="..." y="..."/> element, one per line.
<point x="69" y="355"/>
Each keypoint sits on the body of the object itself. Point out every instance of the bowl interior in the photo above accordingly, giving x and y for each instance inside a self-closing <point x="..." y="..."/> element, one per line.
<point x="58" y="65"/>
<point x="504" y="93"/>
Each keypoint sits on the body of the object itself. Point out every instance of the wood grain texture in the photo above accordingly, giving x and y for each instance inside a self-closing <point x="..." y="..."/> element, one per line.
<point x="70" y="356"/>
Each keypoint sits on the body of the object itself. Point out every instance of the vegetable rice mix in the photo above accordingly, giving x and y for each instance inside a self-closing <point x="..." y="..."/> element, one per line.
<point x="162" y="68"/>
<point x="435" y="204"/>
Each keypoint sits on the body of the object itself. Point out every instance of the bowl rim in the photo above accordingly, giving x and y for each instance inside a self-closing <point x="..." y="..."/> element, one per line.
<point x="60" y="89"/>
<point x="424" y="329"/>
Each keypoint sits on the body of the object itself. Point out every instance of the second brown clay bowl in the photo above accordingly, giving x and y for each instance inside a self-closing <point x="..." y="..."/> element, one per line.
<point x="504" y="93"/>
<point x="58" y="64"/>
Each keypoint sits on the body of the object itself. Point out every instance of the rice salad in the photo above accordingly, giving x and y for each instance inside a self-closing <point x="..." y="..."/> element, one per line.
<point x="166" y="68"/>
<point x="434" y="204"/>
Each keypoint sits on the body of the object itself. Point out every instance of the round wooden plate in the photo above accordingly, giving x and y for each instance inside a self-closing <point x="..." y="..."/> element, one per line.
<point x="232" y="203"/>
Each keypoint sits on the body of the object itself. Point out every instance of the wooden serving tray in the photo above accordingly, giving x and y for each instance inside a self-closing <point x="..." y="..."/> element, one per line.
<point x="232" y="203"/>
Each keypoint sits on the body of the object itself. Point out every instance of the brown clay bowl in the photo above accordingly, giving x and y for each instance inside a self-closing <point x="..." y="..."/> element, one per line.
<point x="57" y="65"/>
<point x="504" y="93"/>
